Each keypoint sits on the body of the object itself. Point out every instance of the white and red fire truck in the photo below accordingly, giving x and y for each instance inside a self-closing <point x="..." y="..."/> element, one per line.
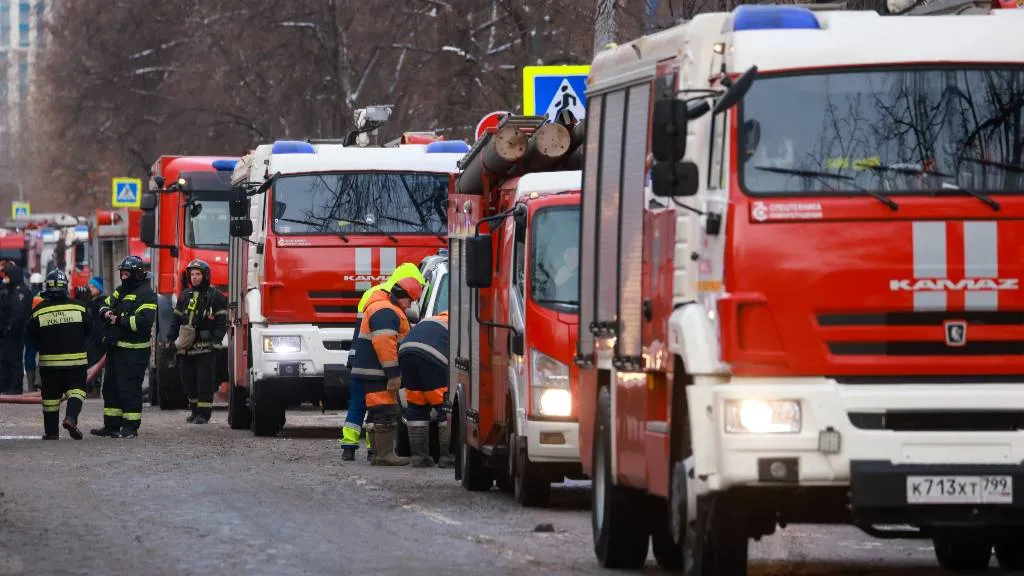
<point x="317" y="224"/>
<point x="514" y="233"/>
<point x="805" y="308"/>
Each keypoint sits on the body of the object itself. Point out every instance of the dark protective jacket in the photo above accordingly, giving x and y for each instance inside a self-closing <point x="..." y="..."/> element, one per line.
<point x="16" y="306"/>
<point x="205" y="309"/>
<point x="134" y="304"/>
<point x="376" y="347"/>
<point x="428" y="339"/>
<point x="60" y="328"/>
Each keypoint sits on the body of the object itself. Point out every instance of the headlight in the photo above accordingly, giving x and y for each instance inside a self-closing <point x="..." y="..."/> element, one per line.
<point x="549" y="386"/>
<point x="762" y="416"/>
<point x="282" y="344"/>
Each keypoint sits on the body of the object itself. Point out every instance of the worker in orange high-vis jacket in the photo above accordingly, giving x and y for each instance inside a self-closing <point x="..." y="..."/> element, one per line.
<point x="353" y="427"/>
<point x="423" y="359"/>
<point x="376" y="364"/>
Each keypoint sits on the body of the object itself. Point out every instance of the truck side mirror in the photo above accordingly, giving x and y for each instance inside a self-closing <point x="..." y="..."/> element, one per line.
<point x="159" y="181"/>
<point x="241" y="228"/>
<point x="668" y="143"/>
<point x="147" y="228"/>
<point x="737" y="90"/>
<point x="239" y="207"/>
<point x="674" y="179"/>
<point x="515" y="343"/>
<point x="148" y="202"/>
<point x="478" y="261"/>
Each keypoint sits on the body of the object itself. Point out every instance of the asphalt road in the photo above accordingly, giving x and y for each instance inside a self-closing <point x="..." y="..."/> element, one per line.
<point x="184" y="499"/>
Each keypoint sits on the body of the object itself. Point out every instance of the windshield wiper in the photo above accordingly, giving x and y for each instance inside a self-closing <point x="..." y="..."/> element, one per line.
<point x="909" y="170"/>
<point x="979" y="195"/>
<point x="823" y="176"/>
<point x="411" y="223"/>
<point x="555" y="301"/>
<point x="1019" y="168"/>
<point x="339" y="234"/>
<point x="390" y="236"/>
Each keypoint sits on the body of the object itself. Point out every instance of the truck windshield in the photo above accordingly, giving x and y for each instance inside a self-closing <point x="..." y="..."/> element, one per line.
<point x="922" y="130"/>
<point x="554" y="257"/>
<point x="210" y="227"/>
<point x="361" y="203"/>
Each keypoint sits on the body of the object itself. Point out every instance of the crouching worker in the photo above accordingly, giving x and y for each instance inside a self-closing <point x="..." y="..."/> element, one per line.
<point x="60" y="328"/>
<point x="423" y="359"/>
<point x="376" y="364"/>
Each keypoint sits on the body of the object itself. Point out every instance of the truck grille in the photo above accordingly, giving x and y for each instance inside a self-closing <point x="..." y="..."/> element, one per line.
<point x="940" y="421"/>
<point x="327" y="301"/>
<point x="989" y="333"/>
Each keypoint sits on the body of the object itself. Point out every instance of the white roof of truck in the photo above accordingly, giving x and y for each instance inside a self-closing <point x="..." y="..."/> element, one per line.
<point x="330" y="159"/>
<point x="549" y="182"/>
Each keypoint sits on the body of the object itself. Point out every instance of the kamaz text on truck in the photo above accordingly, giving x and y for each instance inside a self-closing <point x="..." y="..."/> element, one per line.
<point x="514" y="237"/>
<point x="815" y="316"/>
<point x="315" y="226"/>
<point x="184" y="216"/>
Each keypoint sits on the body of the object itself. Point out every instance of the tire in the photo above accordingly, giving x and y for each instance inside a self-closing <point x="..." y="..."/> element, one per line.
<point x="667" y="552"/>
<point x="962" y="550"/>
<point x="617" y="515"/>
<point x="476" y="477"/>
<point x="239" y="416"/>
<point x="267" y="419"/>
<point x="719" y="546"/>
<point x="1009" y="552"/>
<point x="528" y="489"/>
<point x="505" y="478"/>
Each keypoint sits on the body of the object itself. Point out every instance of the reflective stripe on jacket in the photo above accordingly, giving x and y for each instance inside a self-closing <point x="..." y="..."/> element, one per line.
<point x="376" y="347"/>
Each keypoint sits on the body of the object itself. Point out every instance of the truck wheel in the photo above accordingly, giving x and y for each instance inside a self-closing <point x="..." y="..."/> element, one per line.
<point x="239" y="417"/>
<point x="617" y="513"/>
<point x="719" y="544"/>
<point x="476" y="477"/>
<point x="505" y="475"/>
<point x="1009" y="552"/>
<point x="529" y="489"/>
<point x="667" y="552"/>
<point x="962" y="550"/>
<point x="266" y="413"/>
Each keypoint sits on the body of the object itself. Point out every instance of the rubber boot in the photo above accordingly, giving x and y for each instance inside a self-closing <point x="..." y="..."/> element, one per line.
<point x="419" y="445"/>
<point x="348" y="453"/>
<point x="191" y="418"/>
<point x="444" y="440"/>
<point x="51" y="425"/>
<point x="384" y="446"/>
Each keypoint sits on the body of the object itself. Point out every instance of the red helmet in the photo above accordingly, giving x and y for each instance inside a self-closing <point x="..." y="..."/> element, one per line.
<point x="407" y="287"/>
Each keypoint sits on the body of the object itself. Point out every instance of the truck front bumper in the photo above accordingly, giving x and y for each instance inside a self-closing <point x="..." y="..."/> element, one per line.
<point x="555" y="442"/>
<point x="898" y="425"/>
<point x="322" y="356"/>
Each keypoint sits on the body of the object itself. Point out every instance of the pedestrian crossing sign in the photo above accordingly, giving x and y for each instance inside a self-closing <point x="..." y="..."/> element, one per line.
<point x="549" y="90"/>
<point x="20" y="210"/>
<point x="126" y="193"/>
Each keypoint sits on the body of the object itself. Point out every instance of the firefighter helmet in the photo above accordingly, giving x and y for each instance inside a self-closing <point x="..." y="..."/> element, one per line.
<point x="132" y="264"/>
<point x="56" y="284"/>
<point x="201" y="265"/>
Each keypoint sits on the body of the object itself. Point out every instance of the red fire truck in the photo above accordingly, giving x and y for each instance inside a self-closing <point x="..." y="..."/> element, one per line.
<point x="184" y="216"/>
<point x="514" y="237"/>
<point x="805" y="308"/>
<point x="316" y="225"/>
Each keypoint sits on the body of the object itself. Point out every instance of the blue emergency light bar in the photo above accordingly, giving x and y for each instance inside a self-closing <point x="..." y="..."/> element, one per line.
<point x="292" y="147"/>
<point x="767" y="17"/>
<point x="224" y="165"/>
<point x="448" y="147"/>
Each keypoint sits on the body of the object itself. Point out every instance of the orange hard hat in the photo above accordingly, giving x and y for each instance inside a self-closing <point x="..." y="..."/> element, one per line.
<point x="410" y="286"/>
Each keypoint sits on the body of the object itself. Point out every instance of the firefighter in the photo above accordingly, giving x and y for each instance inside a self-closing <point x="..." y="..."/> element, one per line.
<point x="376" y="363"/>
<point x="60" y="328"/>
<point x="14" y="316"/>
<point x="35" y="287"/>
<point x="353" y="427"/>
<point x="129" y="312"/>
<point x="200" y="323"/>
<point x="423" y="360"/>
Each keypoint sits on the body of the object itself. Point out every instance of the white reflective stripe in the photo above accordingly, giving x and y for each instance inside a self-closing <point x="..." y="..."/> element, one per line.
<point x="367" y="372"/>
<point x="929" y="245"/>
<point x="388" y="261"/>
<point x="363" y="286"/>
<point x="981" y="260"/>
<point x="364" y="261"/>
<point x="426" y="348"/>
<point x="383" y="332"/>
<point x="389" y="364"/>
<point x="416" y="423"/>
<point x="352" y="426"/>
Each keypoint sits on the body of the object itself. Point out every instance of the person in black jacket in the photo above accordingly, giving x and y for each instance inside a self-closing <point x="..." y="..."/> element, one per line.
<point x="200" y="323"/>
<point x="92" y="297"/>
<point x="129" y="313"/>
<point x="17" y="306"/>
<point x="60" y="328"/>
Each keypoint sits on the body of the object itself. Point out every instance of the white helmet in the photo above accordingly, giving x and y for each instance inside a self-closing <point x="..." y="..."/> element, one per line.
<point x="35" y="278"/>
